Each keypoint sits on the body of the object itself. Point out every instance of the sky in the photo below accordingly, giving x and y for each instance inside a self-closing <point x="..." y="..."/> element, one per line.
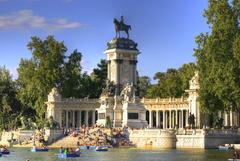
<point x="165" y="30"/>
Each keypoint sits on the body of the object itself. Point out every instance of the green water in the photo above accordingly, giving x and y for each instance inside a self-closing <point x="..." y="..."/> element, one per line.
<point x="21" y="154"/>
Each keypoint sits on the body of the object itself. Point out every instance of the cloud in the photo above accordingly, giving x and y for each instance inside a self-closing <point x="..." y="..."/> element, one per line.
<point x="25" y="19"/>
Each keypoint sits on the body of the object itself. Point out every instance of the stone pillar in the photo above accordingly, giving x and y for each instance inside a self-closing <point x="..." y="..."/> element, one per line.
<point x="170" y="119"/>
<point x="66" y="119"/>
<point x="176" y="122"/>
<point x="73" y="118"/>
<point x="93" y="117"/>
<point x="150" y="118"/>
<point x="160" y="119"/>
<point x="231" y="118"/>
<point x="164" y="126"/>
<point x="182" y="126"/>
<point x="80" y="118"/>
<point x="86" y="118"/>
<point x="186" y="118"/>
<point x="109" y="69"/>
<point x="157" y="119"/>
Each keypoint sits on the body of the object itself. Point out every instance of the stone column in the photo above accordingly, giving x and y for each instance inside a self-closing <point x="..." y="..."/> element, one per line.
<point x="164" y="127"/>
<point x="150" y="118"/>
<point x="93" y="117"/>
<point x="170" y="119"/>
<point x="157" y="119"/>
<point x="231" y="118"/>
<point x="182" y="119"/>
<point x="160" y="119"/>
<point x="86" y="118"/>
<point x="73" y="118"/>
<point x="186" y="118"/>
<point x="176" y="123"/>
<point x="66" y="119"/>
<point x="109" y="69"/>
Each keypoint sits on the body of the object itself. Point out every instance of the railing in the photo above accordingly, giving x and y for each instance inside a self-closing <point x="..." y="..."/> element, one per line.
<point x="79" y="100"/>
<point x="164" y="100"/>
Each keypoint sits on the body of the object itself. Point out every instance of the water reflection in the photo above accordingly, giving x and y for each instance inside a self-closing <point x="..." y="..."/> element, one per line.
<point x="21" y="154"/>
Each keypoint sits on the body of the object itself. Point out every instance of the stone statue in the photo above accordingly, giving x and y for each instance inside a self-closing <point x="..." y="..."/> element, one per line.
<point x="27" y="124"/>
<point x="109" y="90"/>
<point x="193" y="83"/>
<point x="191" y="120"/>
<point x="121" y="26"/>
<point x="128" y="92"/>
<point x="52" y="124"/>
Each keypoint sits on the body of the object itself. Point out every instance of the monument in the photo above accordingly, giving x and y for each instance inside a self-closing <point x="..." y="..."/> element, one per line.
<point x="118" y="99"/>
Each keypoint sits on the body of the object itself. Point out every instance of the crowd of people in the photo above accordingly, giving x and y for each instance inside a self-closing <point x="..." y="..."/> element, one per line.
<point x="97" y="136"/>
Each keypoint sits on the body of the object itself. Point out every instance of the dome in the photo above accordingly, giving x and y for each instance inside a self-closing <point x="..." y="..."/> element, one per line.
<point x="122" y="43"/>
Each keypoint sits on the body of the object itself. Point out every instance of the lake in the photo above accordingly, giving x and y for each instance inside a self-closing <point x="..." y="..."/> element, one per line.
<point x="123" y="154"/>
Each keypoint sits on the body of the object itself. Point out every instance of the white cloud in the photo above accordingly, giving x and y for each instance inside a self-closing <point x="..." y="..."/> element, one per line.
<point x="25" y="19"/>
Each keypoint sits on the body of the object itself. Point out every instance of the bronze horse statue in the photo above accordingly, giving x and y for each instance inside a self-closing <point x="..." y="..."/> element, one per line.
<point x="120" y="26"/>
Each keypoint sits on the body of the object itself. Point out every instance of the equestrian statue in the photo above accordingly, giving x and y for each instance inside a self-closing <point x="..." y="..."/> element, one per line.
<point x="121" y="26"/>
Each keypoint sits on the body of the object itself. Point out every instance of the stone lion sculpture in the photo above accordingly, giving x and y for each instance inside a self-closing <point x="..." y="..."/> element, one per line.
<point x="52" y="124"/>
<point x="27" y="124"/>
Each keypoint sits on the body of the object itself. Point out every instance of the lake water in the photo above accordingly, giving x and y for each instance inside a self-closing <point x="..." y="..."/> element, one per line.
<point x="122" y="154"/>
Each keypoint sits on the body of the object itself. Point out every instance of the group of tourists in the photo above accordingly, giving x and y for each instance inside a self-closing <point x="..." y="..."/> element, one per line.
<point x="69" y="151"/>
<point x="99" y="136"/>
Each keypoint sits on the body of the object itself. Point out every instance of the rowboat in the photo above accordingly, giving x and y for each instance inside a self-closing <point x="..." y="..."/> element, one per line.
<point x="102" y="148"/>
<point x="87" y="147"/>
<point x="39" y="150"/>
<point x="5" y="152"/>
<point x="73" y="155"/>
<point x="224" y="147"/>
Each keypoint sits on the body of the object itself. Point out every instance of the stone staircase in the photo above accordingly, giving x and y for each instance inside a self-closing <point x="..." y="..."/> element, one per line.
<point x="67" y="141"/>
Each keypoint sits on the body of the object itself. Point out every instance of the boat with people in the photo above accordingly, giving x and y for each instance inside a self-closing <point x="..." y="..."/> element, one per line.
<point x="42" y="149"/>
<point x="225" y="147"/>
<point x="69" y="153"/>
<point x="84" y="147"/>
<point x="102" y="148"/>
<point x="4" y="150"/>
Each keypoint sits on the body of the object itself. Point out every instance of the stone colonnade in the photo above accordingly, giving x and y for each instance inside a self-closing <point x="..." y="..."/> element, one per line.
<point x="168" y="119"/>
<point x="230" y="118"/>
<point x="77" y="118"/>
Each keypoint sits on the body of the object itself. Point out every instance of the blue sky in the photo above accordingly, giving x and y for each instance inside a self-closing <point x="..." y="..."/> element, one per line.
<point x="165" y="30"/>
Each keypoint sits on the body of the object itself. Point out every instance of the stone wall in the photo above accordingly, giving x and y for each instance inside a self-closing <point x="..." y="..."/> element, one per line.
<point x="199" y="138"/>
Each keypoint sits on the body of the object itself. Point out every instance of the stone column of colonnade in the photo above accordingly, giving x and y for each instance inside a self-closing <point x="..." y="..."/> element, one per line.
<point x="75" y="118"/>
<point x="168" y="119"/>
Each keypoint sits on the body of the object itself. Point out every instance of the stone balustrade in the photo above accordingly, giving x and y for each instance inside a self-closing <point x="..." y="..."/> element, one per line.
<point x="163" y="100"/>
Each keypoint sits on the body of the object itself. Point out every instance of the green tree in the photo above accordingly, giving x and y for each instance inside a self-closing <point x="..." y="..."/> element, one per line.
<point x="217" y="57"/>
<point x="38" y="75"/>
<point x="144" y="83"/>
<point x="72" y="76"/>
<point x="99" y="77"/>
<point x="10" y="107"/>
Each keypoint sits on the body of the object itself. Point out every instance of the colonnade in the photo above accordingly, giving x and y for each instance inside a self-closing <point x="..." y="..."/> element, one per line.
<point x="168" y="119"/>
<point x="77" y="118"/>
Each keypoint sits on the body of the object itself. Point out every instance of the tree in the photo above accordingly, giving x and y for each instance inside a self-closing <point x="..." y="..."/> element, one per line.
<point x="186" y="72"/>
<point x="38" y="75"/>
<point x="217" y="56"/>
<point x="99" y="77"/>
<point x="144" y="83"/>
<point x="169" y="85"/>
<point x="72" y="76"/>
<point x="10" y="107"/>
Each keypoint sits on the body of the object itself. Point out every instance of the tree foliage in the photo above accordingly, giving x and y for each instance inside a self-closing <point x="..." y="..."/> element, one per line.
<point x="172" y="83"/>
<point x="10" y="107"/>
<point x="217" y="56"/>
<point x="99" y="77"/>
